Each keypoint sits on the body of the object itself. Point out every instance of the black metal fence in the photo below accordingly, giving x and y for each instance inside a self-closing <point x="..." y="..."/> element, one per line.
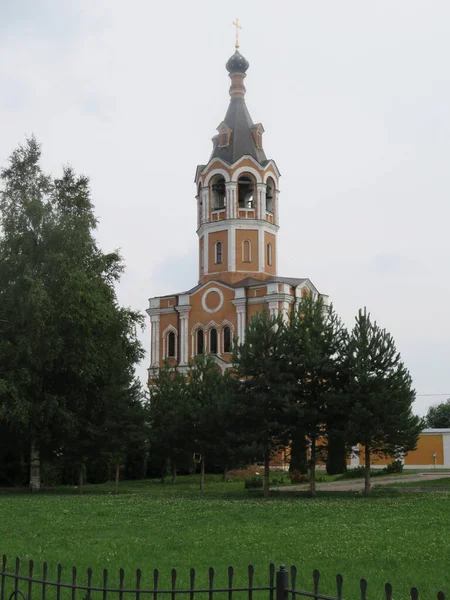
<point x="282" y="585"/>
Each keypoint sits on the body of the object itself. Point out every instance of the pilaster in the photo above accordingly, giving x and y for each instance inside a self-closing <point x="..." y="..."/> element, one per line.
<point x="183" y="309"/>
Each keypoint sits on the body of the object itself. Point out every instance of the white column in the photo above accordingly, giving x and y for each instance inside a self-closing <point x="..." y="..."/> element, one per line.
<point x="261" y="250"/>
<point x="154" y="360"/>
<point x="205" y="252"/>
<point x="231" y="199"/>
<point x="276" y="208"/>
<point x="273" y="308"/>
<point x="232" y="248"/>
<point x="184" y="323"/>
<point x="261" y="201"/>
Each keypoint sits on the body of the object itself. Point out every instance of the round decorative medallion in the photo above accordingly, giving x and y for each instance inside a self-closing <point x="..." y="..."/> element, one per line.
<point x="212" y="300"/>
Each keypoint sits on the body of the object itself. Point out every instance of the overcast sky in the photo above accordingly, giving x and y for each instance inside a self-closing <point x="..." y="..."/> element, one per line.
<point x="355" y="100"/>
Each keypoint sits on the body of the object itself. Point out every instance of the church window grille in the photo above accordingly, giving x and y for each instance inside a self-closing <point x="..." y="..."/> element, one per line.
<point x="171" y="345"/>
<point x="226" y="339"/>
<point x="246" y="192"/>
<point x="218" y="253"/>
<point x="213" y="341"/>
<point x="218" y="193"/>
<point x="246" y="251"/>
<point x="200" y="341"/>
<point x="269" y="195"/>
<point x="269" y="254"/>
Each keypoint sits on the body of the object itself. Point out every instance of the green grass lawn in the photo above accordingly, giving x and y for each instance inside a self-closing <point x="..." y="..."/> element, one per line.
<point x="399" y="538"/>
<point x="444" y="482"/>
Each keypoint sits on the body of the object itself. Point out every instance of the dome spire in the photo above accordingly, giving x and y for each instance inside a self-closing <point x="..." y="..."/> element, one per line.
<point x="238" y="26"/>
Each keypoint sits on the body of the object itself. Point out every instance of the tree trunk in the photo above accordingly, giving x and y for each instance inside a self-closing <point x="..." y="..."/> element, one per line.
<point x="80" y="480"/>
<point x="367" y="470"/>
<point x="116" y="481"/>
<point x="266" y="476"/>
<point x="35" y="466"/>
<point x="312" y="467"/>
<point x="202" y="473"/>
<point x="174" y="472"/>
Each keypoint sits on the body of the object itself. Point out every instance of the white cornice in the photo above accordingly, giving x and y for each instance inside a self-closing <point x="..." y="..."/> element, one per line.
<point x="251" y="224"/>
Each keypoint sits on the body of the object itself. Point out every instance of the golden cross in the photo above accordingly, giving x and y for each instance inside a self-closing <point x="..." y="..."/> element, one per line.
<point x="238" y="26"/>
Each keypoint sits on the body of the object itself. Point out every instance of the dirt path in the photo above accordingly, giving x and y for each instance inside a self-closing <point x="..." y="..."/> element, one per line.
<point x="356" y="485"/>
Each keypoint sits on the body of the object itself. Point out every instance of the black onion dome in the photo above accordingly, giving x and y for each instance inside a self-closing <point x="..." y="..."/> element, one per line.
<point x="237" y="63"/>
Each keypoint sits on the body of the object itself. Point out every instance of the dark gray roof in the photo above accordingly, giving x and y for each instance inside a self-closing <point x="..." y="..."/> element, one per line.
<point x="242" y="142"/>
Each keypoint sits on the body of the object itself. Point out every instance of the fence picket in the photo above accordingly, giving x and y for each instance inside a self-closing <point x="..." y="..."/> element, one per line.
<point x="251" y="572"/>
<point x="271" y="580"/>
<point x="74" y="582"/>
<point x="30" y="583"/>
<point x="89" y="584"/>
<point x="44" y="580"/>
<point x="138" y="583"/>
<point x="414" y="593"/>
<point x="155" y="584"/>
<point x="316" y="577"/>
<point x="105" y="584"/>
<point x="2" y="591"/>
<point x="363" y="586"/>
<point x="293" y="580"/>
<point x="174" y="582"/>
<point x="191" y="583"/>
<point x="339" y="583"/>
<point x="58" y="582"/>
<point x="388" y="591"/>
<point x="441" y="596"/>
<point x="121" y="580"/>
<point x="16" y="580"/>
<point x="211" y="583"/>
<point x="230" y="583"/>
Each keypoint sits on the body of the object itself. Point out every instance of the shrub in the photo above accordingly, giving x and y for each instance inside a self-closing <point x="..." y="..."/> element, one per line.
<point x="297" y="477"/>
<point x="394" y="467"/>
<point x="253" y="483"/>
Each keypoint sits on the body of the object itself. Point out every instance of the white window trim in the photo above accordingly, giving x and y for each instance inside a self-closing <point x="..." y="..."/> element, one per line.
<point x="221" y="252"/>
<point x="269" y="254"/>
<point x="230" y="326"/>
<point x="165" y="339"/>
<point x="249" y="250"/>
<point x="218" y="340"/>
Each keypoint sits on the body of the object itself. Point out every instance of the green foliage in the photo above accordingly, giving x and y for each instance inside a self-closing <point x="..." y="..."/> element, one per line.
<point x="380" y="388"/>
<point x="67" y="349"/>
<point x="439" y="416"/>
<point x="253" y="483"/>
<point x="313" y="344"/>
<point x="394" y="467"/>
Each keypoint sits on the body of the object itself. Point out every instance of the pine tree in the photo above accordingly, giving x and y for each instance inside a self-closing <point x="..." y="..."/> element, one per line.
<point x="170" y="419"/>
<point x="381" y="394"/>
<point x="312" y="345"/>
<point x="260" y="368"/>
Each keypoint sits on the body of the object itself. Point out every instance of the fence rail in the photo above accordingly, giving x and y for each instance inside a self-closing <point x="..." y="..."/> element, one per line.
<point x="282" y="583"/>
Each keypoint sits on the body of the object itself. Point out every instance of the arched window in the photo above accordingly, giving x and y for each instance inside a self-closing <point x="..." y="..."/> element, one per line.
<point x="213" y="341"/>
<point x="246" y="251"/>
<point x="226" y="339"/>
<point x="270" y="192"/>
<point x="200" y="341"/>
<point x="218" y="192"/>
<point x="269" y="254"/>
<point x="218" y="252"/>
<point x="246" y="192"/>
<point x="171" y="345"/>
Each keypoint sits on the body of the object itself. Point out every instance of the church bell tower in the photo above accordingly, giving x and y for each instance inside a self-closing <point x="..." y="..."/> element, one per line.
<point x="237" y="194"/>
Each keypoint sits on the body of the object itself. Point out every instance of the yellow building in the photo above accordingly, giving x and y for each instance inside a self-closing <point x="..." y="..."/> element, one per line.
<point x="237" y="196"/>
<point x="433" y="451"/>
